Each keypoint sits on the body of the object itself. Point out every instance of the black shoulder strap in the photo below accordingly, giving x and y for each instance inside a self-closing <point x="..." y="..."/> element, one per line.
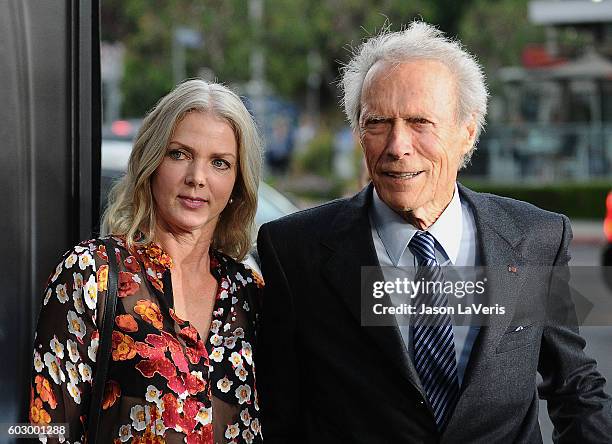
<point x="105" y="329"/>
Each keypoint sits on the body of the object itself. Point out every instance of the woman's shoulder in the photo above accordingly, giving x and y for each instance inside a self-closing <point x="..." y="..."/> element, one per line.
<point x="238" y="270"/>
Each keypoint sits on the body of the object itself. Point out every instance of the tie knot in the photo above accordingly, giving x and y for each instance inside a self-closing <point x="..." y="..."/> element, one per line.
<point x="423" y="246"/>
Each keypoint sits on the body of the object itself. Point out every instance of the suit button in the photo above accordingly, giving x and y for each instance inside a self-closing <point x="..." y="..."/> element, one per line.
<point x="422" y="402"/>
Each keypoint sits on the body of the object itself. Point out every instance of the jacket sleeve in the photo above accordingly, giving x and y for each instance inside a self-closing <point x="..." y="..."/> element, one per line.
<point x="277" y="365"/>
<point x="574" y="390"/>
<point x="65" y="345"/>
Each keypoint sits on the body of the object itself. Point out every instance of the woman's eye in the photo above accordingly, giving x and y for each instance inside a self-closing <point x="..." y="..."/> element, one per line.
<point x="177" y="154"/>
<point x="221" y="164"/>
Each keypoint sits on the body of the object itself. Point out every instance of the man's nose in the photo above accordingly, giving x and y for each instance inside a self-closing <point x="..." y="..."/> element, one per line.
<point x="400" y="141"/>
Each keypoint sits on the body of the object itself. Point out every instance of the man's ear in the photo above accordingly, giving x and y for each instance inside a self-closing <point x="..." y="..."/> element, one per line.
<point x="469" y="131"/>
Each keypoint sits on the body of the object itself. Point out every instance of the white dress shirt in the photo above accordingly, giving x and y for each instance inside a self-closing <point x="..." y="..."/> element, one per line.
<point x="456" y="245"/>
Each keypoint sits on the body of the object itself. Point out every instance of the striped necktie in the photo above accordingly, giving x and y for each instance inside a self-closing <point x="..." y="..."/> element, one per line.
<point x="433" y="340"/>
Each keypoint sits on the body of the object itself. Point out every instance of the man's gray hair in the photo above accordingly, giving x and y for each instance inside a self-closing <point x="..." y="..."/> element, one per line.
<point x="419" y="40"/>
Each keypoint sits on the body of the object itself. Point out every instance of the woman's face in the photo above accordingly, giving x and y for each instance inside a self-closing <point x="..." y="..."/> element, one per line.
<point x="194" y="182"/>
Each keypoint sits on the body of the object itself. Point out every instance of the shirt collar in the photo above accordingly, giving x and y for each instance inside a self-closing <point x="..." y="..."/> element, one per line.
<point x="395" y="233"/>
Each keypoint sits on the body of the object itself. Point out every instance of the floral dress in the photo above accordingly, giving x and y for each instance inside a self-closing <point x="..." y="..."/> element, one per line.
<point x="164" y="384"/>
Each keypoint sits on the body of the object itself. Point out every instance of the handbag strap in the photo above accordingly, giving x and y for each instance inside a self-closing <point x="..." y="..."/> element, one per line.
<point x="104" y="348"/>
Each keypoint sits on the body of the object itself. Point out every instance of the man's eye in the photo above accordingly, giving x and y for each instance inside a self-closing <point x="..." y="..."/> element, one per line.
<point x="177" y="154"/>
<point x="222" y="164"/>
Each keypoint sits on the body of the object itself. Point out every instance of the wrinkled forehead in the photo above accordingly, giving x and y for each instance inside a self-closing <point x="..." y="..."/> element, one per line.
<point x="389" y="82"/>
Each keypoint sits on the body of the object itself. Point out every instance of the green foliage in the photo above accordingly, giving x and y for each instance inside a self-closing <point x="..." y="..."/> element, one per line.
<point x="575" y="200"/>
<point x="317" y="157"/>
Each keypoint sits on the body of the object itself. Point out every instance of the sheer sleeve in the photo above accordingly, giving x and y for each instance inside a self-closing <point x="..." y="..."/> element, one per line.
<point x="233" y="337"/>
<point x="66" y="342"/>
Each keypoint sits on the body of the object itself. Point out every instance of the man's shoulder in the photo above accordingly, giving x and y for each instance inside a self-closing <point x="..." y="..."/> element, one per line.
<point x="519" y="211"/>
<point x="316" y="219"/>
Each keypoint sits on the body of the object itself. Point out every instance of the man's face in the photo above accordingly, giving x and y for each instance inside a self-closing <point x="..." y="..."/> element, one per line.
<point x="412" y="140"/>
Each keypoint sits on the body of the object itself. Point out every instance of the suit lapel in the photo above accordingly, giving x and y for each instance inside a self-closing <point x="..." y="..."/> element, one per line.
<point x="499" y="241"/>
<point x="352" y="248"/>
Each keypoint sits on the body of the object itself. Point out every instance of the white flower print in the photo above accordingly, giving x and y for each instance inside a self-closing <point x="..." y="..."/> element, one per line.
<point x="53" y="365"/>
<point x="204" y="416"/>
<point x="241" y="373"/>
<point x="255" y="426"/>
<point x="76" y="326"/>
<point x="91" y="292"/>
<point x="57" y="347"/>
<point x="136" y="279"/>
<point x="226" y="327"/>
<point x="92" y="350"/>
<point x="73" y="373"/>
<point x="85" y="260"/>
<point x="215" y="325"/>
<point x="153" y="395"/>
<point x="223" y="294"/>
<point x="235" y="359"/>
<point x="245" y="416"/>
<point x="224" y="384"/>
<point x="70" y="260"/>
<point x="248" y="436"/>
<point x="74" y="392"/>
<point x="234" y="300"/>
<point x="232" y="431"/>
<point x="245" y="306"/>
<point x="38" y="363"/>
<point x="73" y="351"/>
<point x="224" y="284"/>
<point x="77" y="297"/>
<point x="216" y="340"/>
<point x="138" y="414"/>
<point x="58" y="271"/>
<point x="62" y="294"/>
<point x="229" y="342"/>
<point x="217" y="354"/>
<point x="239" y="332"/>
<point x="125" y="432"/>
<point x="160" y="428"/>
<point x="47" y="296"/>
<point x="78" y="249"/>
<point x="247" y="352"/>
<point x="85" y="372"/>
<point x="78" y="280"/>
<point x="243" y="393"/>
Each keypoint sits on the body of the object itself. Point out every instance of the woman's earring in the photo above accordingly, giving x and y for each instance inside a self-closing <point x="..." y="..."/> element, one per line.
<point x="231" y="201"/>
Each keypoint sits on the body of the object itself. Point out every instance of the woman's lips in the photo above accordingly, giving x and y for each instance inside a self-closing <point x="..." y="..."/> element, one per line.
<point x="192" y="202"/>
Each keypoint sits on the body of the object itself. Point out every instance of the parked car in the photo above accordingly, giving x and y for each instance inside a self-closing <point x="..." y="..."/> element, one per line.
<point x="606" y="256"/>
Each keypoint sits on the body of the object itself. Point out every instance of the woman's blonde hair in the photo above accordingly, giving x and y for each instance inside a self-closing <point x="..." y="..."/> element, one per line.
<point x="131" y="210"/>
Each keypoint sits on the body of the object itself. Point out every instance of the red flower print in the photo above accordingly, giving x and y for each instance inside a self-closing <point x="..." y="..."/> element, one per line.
<point x="204" y="435"/>
<point x="127" y="284"/>
<point x="154" y="357"/>
<point x="112" y="392"/>
<point x="131" y="264"/>
<point x="101" y="252"/>
<point x="127" y="323"/>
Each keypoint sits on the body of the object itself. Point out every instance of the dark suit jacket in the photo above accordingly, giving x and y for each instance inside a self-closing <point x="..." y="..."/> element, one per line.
<point x="322" y="377"/>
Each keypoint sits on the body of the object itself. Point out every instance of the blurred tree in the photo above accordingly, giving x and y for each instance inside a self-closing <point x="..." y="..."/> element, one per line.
<point x="497" y="32"/>
<point x="294" y="32"/>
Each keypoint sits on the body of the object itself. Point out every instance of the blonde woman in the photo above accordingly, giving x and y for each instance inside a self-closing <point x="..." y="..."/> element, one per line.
<point x="182" y="363"/>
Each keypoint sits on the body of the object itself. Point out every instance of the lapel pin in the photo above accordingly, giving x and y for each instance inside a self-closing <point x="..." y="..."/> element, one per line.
<point x="512" y="269"/>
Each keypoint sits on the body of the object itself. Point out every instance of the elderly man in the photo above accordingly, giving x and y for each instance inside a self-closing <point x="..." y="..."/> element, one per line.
<point x="418" y="102"/>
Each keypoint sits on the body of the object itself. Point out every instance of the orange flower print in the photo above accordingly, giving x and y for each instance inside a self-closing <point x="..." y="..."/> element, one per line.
<point x="43" y="388"/>
<point x="258" y="279"/>
<point x="127" y="323"/>
<point x="38" y="415"/>
<point x="129" y="283"/>
<point x="102" y="277"/>
<point x="131" y="264"/>
<point x="112" y="391"/>
<point x="175" y="317"/>
<point x="148" y="437"/>
<point x="123" y="347"/>
<point x="149" y="311"/>
<point x="101" y="253"/>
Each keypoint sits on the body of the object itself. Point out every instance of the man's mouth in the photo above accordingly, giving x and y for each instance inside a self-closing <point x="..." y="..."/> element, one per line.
<point x="402" y="175"/>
